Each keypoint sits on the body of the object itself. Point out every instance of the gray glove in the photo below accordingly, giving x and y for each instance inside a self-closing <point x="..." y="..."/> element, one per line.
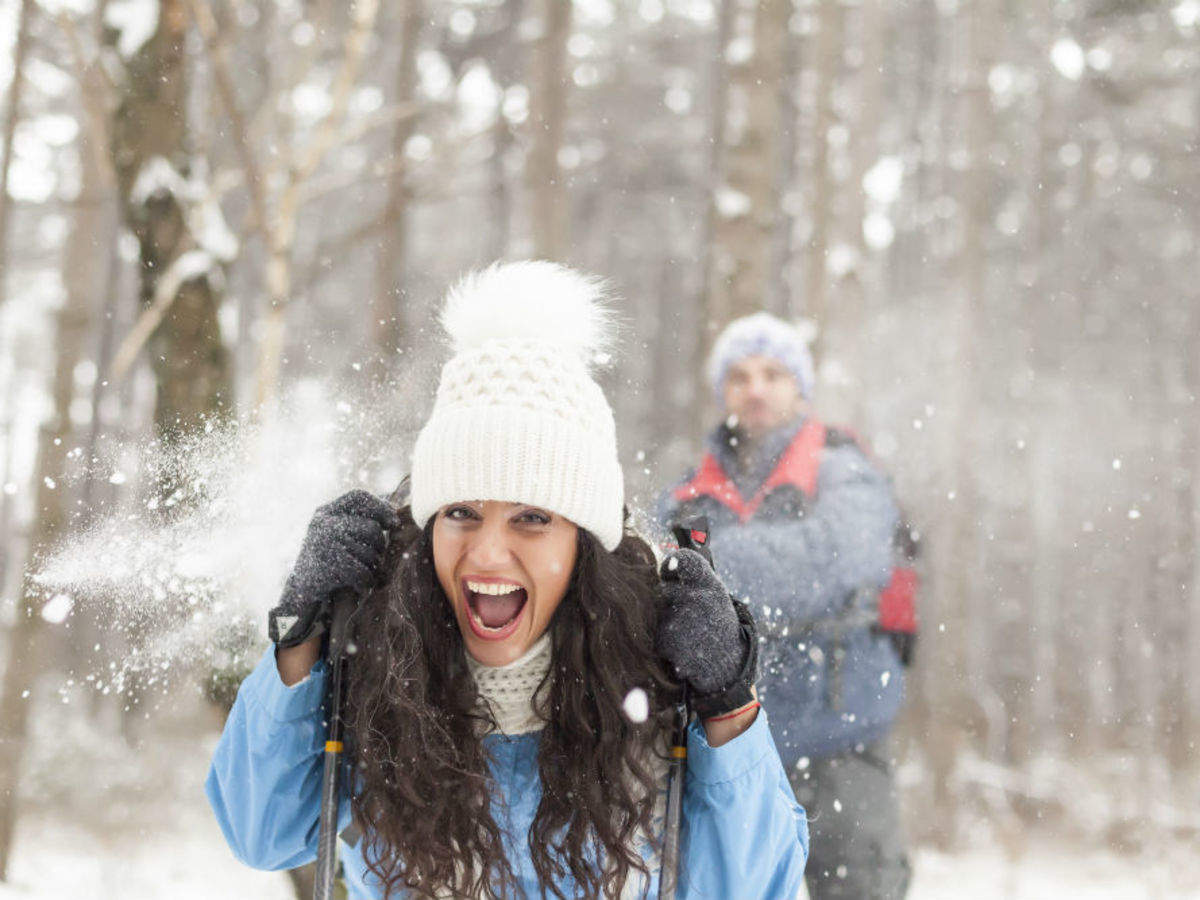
<point x="705" y="635"/>
<point x="342" y="551"/>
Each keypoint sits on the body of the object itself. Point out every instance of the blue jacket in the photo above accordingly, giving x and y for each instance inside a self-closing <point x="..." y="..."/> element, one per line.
<point x="803" y="530"/>
<point x="743" y="834"/>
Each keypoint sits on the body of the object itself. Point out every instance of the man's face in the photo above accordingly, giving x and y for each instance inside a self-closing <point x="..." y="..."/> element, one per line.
<point x="762" y="393"/>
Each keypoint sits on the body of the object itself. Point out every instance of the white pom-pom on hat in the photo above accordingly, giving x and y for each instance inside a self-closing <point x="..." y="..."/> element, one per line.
<point x="532" y="300"/>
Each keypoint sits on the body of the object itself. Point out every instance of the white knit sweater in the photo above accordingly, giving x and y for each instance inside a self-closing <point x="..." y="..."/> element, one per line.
<point x="509" y="690"/>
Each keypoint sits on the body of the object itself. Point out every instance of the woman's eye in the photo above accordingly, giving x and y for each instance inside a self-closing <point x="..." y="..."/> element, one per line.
<point x="459" y="513"/>
<point x="531" y="517"/>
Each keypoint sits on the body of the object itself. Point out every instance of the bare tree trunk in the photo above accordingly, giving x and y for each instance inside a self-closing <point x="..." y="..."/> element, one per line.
<point x="178" y="277"/>
<point x="547" y="118"/>
<point x="506" y="68"/>
<point x="500" y="199"/>
<point x="51" y="512"/>
<point x="1147" y="599"/>
<point x="926" y="34"/>
<point x="827" y="56"/>
<point x="1192" y="446"/>
<point x="746" y="200"/>
<point x="92" y="270"/>
<point x="957" y="541"/>
<point x="858" y="288"/>
<point x="1045" y="591"/>
<point x="1175" y="568"/>
<point x="12" y="116"/>
<point x="865" y="289"/>
<point x="106" y="317"/>
<point x="191" y="364"/>
<point x="704" y="320"/>
<point x="873" y="18"/>
<point x="22" y="659"/>
<point x="387" y="313"/>
<point x="1044" y="597"/>
<point x="780" y="289"/>
<point x="1191" y="349"/>
<point x="7" y="545"/>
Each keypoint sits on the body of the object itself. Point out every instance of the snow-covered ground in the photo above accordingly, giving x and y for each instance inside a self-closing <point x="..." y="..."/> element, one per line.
<point x="1053" y="872"/>
<point x="107" y="823"/>
<point x="186" y="858"/>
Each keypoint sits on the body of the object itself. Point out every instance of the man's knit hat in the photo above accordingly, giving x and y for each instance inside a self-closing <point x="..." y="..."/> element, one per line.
<point x="761" y="334"/>
<point x="518" y="417"/>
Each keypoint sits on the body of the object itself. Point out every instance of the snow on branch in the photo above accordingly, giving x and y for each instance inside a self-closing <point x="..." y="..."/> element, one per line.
<point x="213" y="244"/>
<point x="205" y="221"/>
<point x="135" y="21"/>
<point x="188" y="267"/>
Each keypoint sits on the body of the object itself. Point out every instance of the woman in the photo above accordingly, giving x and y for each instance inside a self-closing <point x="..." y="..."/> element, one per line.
<point x="495" y="644"/>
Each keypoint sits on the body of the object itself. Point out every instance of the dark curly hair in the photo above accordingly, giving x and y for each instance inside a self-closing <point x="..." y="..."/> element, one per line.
<point x="423" y="786"/>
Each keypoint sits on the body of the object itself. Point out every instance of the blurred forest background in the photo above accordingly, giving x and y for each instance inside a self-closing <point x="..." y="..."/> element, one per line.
<point x="225" y="225"/>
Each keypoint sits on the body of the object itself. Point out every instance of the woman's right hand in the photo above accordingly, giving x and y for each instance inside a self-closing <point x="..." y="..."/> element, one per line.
<point x="342" y="551"/>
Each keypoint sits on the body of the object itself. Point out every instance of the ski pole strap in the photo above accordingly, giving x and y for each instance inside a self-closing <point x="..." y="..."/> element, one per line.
<point x="754" y="704"/>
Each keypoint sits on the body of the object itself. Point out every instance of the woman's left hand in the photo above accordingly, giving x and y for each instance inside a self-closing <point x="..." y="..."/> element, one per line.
<point x="701" y="634"/>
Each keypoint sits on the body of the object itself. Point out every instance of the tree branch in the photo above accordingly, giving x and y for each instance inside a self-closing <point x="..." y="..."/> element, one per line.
<point x="365" y="13"/>
<point x="203" y="16"/>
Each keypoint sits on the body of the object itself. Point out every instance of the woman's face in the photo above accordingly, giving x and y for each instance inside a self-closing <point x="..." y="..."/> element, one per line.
<point x="505" y="568"/>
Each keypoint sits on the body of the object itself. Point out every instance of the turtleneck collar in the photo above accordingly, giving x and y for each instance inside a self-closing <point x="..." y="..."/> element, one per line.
<point x="509" y="689"/>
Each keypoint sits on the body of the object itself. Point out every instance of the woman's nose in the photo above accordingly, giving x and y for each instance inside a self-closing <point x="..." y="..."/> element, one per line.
<point x="489" y="549"/>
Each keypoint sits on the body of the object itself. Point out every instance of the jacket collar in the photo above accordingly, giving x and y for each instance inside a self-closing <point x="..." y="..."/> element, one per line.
<point x="750" y="464"/>
<point x="797" y="464"/>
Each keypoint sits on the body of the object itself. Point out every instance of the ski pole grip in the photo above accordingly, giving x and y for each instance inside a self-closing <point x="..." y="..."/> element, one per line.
<point x="692" y="534"/>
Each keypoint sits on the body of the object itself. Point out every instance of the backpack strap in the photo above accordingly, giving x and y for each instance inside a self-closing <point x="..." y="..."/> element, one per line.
<point x="897" y="602"/>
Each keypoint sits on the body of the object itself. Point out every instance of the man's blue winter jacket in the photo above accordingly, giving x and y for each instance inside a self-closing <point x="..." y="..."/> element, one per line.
<point x="798" y="529"/>
<point x="743" y="836"/>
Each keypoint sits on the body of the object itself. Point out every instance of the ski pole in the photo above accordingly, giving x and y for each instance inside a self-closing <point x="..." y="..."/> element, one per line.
<point x="691" y="535"/>
<point x="343" y="606"/>
<point x="668" y="875"/>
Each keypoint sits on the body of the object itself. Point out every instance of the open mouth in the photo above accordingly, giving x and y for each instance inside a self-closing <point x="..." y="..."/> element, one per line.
<point x="494" y="607"/>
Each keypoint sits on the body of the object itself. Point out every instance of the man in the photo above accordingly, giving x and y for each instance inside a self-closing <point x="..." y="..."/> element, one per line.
<point x="802" y="525"/>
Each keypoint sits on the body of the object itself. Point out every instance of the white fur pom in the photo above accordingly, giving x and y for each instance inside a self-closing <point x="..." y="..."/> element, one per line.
<point x="532" y="300"/>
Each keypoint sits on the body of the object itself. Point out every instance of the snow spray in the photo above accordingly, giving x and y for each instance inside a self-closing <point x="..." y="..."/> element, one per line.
<point x="186" y="590"/>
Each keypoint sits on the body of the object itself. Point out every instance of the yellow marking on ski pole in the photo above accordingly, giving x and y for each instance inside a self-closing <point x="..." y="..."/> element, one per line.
<point x="679" y="752"/>
<point x="333" y="746"/>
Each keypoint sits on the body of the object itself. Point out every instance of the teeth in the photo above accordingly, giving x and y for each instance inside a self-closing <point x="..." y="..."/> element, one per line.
<point x="496" y="590"/>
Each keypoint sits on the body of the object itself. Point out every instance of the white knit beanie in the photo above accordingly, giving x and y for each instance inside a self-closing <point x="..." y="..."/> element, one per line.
<point x="518" y="417"/>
